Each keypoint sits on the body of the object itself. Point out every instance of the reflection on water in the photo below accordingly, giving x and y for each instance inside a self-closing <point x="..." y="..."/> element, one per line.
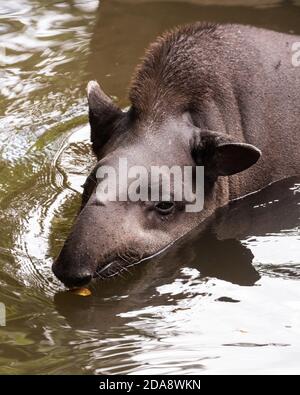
<point x="221" y="300"/>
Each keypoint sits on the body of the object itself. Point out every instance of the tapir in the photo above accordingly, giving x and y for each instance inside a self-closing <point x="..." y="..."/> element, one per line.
<point x="225" y="97"/>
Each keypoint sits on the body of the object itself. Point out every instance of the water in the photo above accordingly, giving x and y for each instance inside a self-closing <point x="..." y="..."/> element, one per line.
<point x="209" y="305"/>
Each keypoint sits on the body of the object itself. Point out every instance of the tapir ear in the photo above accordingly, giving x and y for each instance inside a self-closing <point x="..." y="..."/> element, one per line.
<point x="103" y="115"/>
<point x="221" y="155"/>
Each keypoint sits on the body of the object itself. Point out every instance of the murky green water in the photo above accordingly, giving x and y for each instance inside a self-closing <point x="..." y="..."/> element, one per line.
<point x="209" y="305"/>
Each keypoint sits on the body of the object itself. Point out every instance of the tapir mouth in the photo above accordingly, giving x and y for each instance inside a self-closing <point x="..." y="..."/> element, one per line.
<point x="114" y="267"/>
<point x="118" y="265"/>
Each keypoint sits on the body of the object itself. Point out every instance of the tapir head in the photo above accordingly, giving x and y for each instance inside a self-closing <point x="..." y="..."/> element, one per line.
<point x="112" y="233"/>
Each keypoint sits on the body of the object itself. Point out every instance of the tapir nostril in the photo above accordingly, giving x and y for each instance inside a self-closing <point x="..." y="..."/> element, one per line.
<point x="77" y="281"/>
<point x="71" y="280"/>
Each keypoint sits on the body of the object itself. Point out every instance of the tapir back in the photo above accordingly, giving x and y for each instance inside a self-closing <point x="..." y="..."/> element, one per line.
<point x="270" y="107"/>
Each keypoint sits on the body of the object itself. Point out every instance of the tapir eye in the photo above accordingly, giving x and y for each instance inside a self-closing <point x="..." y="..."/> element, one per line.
<point x="164" y="207"/>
